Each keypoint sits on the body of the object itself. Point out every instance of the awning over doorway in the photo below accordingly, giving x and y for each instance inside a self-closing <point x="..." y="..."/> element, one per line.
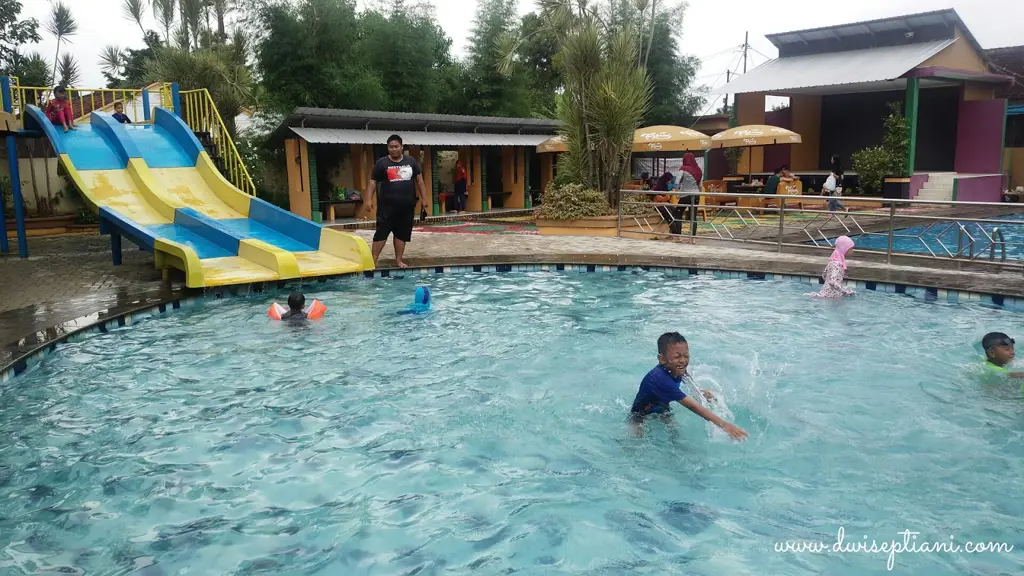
<point x="416" y="138"/>
<point x="849" y="70"/>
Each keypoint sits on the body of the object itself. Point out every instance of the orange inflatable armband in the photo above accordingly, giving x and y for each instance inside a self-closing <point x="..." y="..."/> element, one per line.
<point x="316" y="310"/>
<point x="276" y="311"/>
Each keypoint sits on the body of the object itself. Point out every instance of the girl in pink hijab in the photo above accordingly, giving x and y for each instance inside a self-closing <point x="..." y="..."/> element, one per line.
<point x="835" y="270"/>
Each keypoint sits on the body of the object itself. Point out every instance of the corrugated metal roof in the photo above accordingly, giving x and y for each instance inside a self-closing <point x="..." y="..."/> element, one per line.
<point x="415" y="138"/>
<point x="834" y="68"/>
<point x="363" y="115"/>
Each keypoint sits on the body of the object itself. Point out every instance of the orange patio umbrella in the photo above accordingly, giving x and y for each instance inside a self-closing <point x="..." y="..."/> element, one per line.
<point x="553" y="144"/>
<point x="669" y="139"/>
<point x="754" y="135"/>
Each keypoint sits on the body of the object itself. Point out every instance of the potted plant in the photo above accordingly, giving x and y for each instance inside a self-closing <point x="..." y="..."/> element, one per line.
<point x="883" y="169"/>
<point x="574" y="210"/>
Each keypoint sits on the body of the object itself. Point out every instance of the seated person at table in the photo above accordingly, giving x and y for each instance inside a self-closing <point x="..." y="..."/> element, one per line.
<point x="661" y="386"/>
<point x="772" y="185"/>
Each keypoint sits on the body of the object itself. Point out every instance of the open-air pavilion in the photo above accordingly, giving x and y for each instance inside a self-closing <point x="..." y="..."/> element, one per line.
<point x="330" y="150"/>
<point x="840" y="80"/>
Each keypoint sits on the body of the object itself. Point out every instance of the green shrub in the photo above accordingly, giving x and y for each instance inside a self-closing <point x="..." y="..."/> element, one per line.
<point x="572" y="202"/>
<point x="85" y="216"/>
<point x="637" y="209"/>
<point x="872" y="166"/>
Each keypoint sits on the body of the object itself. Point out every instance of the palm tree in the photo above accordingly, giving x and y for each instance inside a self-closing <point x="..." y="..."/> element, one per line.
<point x="113" y="60"/>
<point x="133" y="10"/>
<point x="221" y="9"/>
<point x="191" y="12"/>
<point x="61" y="24"/>
<point x="67" y="70"/>
<point x="165" y="11"/>
<point x="607" y="90"/>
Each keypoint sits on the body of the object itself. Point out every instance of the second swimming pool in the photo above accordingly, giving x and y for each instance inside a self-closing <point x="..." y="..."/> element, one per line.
<point x="919" y="239"/>
<point x="490" y="436"/>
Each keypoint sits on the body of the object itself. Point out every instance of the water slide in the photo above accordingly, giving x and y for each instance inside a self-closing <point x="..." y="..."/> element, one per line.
<point x="155" y="185"/>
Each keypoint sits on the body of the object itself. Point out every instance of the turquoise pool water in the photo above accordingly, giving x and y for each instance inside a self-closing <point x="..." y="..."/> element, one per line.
<point x="490" y="436"/>
<point x="919" y="239"/>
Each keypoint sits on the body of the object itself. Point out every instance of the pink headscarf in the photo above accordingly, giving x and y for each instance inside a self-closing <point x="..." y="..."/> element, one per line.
<point x="843" y="245"/>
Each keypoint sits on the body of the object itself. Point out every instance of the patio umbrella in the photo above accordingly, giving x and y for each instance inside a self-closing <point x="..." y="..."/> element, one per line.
<point x="754" y="135"/>
<point x="553" y="144"/>
<point x="669" y="139"/>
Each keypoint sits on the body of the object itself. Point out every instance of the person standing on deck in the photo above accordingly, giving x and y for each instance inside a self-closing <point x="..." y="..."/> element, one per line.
<point x="400" y="182"/>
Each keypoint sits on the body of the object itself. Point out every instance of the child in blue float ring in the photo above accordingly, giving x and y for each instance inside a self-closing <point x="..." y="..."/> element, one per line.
<point x="420" y="303"/>
<point x="662" y="386"/>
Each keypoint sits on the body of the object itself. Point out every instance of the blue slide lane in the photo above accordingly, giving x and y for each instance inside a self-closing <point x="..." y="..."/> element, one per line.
<point x="249" y="228"/>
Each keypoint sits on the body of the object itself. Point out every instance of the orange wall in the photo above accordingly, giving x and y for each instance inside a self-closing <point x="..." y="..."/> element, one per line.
<point x="470" y="156"/>
<point x="806" y="121"/>
<point x="512" y="177"/>
<point x="979" y="91"/>
<point x="750" y="110"/>
<point x="1013" y="162"/>
<point x="547" y="169"/>
<point x="959" y="55"/>
<point x="297" y="162"/>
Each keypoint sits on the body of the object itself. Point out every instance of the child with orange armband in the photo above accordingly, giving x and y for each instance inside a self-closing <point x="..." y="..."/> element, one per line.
<point x="295" y="310"/>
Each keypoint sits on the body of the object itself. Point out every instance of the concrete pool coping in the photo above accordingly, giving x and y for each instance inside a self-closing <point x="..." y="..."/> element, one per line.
<point x="953" y="286"/>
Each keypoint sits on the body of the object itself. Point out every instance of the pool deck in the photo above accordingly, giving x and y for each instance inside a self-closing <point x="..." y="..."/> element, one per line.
<point x="69" y="281"/>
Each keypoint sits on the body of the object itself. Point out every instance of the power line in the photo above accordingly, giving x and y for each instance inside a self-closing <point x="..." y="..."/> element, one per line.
<point x="717" y="54"/>
<point x="735" y="62"/>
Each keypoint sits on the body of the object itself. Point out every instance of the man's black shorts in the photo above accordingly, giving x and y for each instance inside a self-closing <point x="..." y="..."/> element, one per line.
<point x="394" y="218"/>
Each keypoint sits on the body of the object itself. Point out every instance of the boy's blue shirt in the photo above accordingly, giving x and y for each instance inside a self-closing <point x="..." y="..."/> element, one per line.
<point x="657" y="390"/>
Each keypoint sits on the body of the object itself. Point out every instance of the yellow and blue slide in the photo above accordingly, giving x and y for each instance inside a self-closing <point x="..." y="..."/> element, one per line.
<point x="155" y="185"/>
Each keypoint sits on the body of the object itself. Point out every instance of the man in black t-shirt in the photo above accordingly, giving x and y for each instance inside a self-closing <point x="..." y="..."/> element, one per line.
<point x="400" y="181"/>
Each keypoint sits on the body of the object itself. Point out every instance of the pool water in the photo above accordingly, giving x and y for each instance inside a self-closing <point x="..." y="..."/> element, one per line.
<point x="918" y="239"/>
<point x="490" y="435"/>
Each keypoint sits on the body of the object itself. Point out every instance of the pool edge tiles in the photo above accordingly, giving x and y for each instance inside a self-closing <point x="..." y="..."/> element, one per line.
<point x="34" y="354"/>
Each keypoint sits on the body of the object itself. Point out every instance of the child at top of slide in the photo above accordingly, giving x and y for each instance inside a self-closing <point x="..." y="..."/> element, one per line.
<point x="835" y="270"/>
<point x="661" y="386"/>
<point x="119" y="114"/>
<point x="59" y="110"/>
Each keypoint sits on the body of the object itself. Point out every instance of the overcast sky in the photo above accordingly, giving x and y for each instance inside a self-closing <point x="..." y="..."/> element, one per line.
<point x="710" y="27"/>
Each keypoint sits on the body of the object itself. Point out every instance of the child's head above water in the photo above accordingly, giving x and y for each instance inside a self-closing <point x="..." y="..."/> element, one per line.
<point x="296" y="301"/>
<point x="998" y="348"/>
<point x="673" y="353"/>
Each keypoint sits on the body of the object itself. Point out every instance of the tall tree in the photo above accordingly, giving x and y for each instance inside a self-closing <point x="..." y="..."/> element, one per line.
<point x="13" y="34"/>
<point x="308" y="57"/>
<point x="674" y="99"/>
<point x="133" y="10"/>
<point x="62" y="25"/>
<point x="537" y="57"/>
<point x="417" y="50"/>
<point x="492" y="93"/>
<point x="606" y="93"/>
<point x="165" y="12"/>
<point x="68" y="71"/>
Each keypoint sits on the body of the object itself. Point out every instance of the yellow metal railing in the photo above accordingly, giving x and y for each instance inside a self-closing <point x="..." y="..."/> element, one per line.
<point x="86" y="100"/>
<point x="201" y="115"/>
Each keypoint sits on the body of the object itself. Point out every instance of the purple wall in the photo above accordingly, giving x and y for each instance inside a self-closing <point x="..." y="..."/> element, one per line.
<point x="778" y="154"/>
<point x="917" y="181"/>
<point x="979" y="189"/>
<point x="979" y="136"/>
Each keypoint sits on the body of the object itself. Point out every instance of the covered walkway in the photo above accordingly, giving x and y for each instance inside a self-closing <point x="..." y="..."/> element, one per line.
<point x="330" y="154"/>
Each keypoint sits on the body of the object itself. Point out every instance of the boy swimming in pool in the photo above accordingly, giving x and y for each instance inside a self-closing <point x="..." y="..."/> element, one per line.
<point x="661" y="386"/>
<point x="999" y="353"/>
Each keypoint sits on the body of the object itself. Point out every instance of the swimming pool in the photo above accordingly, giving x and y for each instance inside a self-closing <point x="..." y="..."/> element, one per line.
<point x="918" y="239"/>
<point x="489" y="436"/>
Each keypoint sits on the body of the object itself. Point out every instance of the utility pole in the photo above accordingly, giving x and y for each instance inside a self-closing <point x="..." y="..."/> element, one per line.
<point x="727" y="73"/>
<point x="746" y="44"/>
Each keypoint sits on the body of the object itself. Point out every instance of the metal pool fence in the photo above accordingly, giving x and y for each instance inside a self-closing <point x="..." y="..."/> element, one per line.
<point x="980" y="232"/>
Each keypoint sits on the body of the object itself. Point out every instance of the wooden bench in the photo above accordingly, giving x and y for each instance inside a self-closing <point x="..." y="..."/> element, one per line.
<point x="328" y="213"/>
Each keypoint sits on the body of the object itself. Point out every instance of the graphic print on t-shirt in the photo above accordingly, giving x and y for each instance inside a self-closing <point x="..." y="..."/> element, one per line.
<point x="399" y="173"/>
